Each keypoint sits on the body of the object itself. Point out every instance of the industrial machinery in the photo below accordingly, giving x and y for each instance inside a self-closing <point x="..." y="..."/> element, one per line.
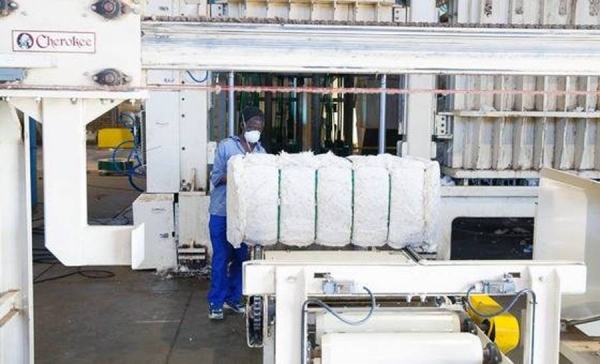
<point x="494" y="90"/>
<point x="385" y="305"/>
<point x="321" y="308"/>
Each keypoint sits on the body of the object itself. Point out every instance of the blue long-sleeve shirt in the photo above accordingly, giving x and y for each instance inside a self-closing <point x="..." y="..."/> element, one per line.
<point x="226" y="149"/>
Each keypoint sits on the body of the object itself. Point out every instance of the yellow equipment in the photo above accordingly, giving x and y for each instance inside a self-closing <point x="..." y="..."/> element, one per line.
<point x="502" y="329"/>
<point x="114" y="137"/>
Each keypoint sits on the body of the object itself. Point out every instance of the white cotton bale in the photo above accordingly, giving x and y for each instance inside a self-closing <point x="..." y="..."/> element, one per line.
<point x="334" y="200"/>
<point x="407" y="207"/>
<point x="236" y="205"/>
<point x="433" y="201"/>
<point x="371" y="197"/>
<point x="297" y="199"/>
<point x="252" y="199"/>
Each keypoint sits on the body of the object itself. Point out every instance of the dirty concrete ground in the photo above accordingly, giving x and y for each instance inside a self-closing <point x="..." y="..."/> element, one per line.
<point x="133" y="317"/>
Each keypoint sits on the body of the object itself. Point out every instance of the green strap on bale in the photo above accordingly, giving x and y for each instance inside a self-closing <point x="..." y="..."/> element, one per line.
<point x="389" y="212"/>
<point x="278" y="205"/>
<point x="352" y="225"/>
<point x="316" y="203"/>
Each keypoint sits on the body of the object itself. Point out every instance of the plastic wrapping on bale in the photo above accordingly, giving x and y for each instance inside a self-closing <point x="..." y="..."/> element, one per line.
<point x="407" y="209"/>
<point x="371" y="200"/>
<point x="334" y="200"/>
<point x="236" y="204"/>
<point x="433" y="199"/>
<point x="297" y="198"/>
<point x="252" y="197"/>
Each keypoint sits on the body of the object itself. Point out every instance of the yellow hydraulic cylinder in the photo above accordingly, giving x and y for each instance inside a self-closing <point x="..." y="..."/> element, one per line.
<point x="502" y="329"/>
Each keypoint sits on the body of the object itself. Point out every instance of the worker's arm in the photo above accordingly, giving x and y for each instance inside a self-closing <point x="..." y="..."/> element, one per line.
<point x="219" y="171"/>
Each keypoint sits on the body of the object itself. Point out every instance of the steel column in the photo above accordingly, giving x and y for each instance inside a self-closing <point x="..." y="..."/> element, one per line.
<point x="382" y="130"/>
<point x="231" y="105"/>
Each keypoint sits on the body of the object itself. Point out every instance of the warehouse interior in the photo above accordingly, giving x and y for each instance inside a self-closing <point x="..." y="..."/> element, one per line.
<point x="428" y="191"/>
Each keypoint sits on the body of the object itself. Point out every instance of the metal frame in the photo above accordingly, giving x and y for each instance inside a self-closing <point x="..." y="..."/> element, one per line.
<point x="291" y="283"/>
<point x="368" y="50"/>
<point x="462" y="201"/>
<point x="16" y="283"/>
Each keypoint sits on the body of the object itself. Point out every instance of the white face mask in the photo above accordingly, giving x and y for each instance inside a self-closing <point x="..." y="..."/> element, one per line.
<point x="252" y="136"/>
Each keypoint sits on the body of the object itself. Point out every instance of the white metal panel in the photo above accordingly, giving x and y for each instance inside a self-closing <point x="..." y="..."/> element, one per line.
<point x="193" y="219"/>
<point x="420" y="117"/>
<point x="155" y="248"/>
<point x="162" y="142"/>
<point x="68" y="234"/>
<point x="481" y="202"/>
<point x="138" y="245"/>
<point x="16" y="286"/>
<point x="160" y="8"/>
<point x="567" y="228"/>
<point x="193" y="139"/>
<point x="310" y="48"/>
<point x="27" y="61"/>
<point x="117" y="42"/>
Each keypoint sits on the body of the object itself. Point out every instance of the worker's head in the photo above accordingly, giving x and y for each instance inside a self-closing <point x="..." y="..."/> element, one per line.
<point x="253" y="122"/>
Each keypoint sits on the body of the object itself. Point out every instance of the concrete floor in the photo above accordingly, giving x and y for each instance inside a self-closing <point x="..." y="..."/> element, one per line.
<point x="133" y="317"/>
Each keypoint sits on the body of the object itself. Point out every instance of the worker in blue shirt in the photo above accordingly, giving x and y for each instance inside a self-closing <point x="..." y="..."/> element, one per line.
<point x="226" y="275"/>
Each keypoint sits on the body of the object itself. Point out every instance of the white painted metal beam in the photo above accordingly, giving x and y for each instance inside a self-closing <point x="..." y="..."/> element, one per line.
<point x="523" y="114"/>
<point x="420" y="107"/>
<point x="373" y="49"/>
<point x="8" y="60"/>
<point x="76" y="93"/>
<point x="16" y="285"/>
<point x="68" y="235"/>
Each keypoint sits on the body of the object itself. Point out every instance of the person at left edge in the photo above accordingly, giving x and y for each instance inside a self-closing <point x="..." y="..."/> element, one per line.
<point x="226" y="274"/>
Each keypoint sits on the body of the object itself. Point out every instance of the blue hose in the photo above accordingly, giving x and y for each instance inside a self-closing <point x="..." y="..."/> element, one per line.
<point x="189" y="73"/>
<point x="130" y="172"/>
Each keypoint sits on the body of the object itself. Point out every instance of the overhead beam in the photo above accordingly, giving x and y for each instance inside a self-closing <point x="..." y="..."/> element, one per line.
<point x="368" y="49"/>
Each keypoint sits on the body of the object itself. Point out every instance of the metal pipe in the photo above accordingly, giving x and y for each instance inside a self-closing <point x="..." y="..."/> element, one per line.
<point x="231" y="105"/>
<point x="382" y="99"/>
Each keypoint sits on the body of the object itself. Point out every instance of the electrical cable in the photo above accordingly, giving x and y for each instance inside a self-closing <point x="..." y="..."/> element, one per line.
<point x="132" y="171"/>
<point x="87" y="273"/>
<point x="132" y="183"/>
<point x="43" y="272"/>
<point x="110" y="188"/>
<point x="44" y="256"/>
<point x="329" y="309"/>
<point x="114" y="155"/>
<point x="501" y="311"/>
<point x="189" y="73"/>
<point x="338" y="316"/>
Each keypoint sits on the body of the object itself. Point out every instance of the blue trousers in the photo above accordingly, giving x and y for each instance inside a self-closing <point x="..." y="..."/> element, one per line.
<point x="226" y="274"/>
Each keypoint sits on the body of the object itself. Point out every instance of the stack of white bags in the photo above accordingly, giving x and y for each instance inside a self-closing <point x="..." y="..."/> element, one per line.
<point x="301" y="199"/>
